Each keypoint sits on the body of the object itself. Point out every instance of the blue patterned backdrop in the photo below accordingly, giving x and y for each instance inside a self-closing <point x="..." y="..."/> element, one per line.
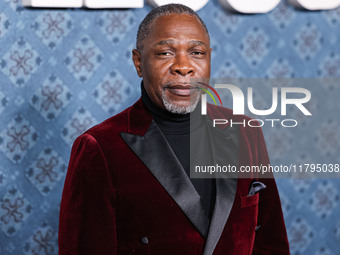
<point x="62" y="71"/>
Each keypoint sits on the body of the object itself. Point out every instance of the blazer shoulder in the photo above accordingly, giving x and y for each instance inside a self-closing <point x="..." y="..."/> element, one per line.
<point x="116" y="122"/>
<point x="113" y="125"/>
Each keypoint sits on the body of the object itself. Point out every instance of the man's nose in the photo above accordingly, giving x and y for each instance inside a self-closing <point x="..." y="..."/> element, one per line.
<point x="182" y="65"/>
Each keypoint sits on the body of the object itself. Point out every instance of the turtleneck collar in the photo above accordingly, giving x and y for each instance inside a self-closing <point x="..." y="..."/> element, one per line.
<point x="168" y="122"/>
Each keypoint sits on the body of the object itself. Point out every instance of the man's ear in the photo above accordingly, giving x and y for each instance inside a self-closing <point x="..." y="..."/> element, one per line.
<point x="137" y="61"/>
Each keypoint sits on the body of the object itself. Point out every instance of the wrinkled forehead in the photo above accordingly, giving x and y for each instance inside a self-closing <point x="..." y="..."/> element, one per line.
<point x="178" y="26"/>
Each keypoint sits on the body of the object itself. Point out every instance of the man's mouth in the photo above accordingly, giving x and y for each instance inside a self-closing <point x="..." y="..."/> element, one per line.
<point x="181" y="90"/>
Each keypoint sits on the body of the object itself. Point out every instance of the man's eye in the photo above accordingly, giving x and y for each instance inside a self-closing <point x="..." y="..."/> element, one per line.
<point x="198" y="53"/>
<point x="165" y="53"/>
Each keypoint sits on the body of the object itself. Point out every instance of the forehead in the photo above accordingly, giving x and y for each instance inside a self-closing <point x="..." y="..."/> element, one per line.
<point x="178" y="26"/>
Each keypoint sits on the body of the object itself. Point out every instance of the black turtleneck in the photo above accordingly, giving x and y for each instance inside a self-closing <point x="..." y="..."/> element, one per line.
<point x="176" y="129"/>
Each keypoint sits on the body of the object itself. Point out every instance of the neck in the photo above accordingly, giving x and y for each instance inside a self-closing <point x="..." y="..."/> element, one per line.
<point x="167" y="121"/>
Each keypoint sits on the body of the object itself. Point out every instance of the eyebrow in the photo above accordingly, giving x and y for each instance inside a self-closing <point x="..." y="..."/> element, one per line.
<point x="170" y="42"/>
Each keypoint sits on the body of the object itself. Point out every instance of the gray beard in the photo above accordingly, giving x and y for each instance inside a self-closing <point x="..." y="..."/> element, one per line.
<point x="180" y="109"/>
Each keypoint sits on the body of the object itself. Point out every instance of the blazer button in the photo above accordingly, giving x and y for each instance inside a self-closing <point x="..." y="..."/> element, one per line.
<point x="144" y="240"/>
<point x="257" y="227"/>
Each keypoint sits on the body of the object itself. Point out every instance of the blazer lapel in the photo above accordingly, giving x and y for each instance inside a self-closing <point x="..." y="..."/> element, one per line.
<point x="145" y="138"/>
<point x="225" y="195"/>
<point x="225" y="148"/>
<point x="169" y="172"/>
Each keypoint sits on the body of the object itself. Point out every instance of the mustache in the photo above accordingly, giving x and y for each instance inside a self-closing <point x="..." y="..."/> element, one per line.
<point x="180" y="85"/>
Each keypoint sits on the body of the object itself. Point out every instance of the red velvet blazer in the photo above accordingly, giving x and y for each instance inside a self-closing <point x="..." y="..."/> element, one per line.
<point x="122" y="197"/>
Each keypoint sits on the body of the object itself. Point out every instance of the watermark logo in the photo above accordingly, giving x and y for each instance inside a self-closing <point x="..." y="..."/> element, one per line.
<point x="295" y="96"/>
<point x="209" y="93"/>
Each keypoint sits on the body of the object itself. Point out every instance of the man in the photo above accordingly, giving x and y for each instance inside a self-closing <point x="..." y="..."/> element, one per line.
<point x="128" y="190"/>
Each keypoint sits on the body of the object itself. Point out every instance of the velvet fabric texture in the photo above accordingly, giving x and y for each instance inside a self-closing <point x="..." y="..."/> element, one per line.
<point x="113" y="204"/>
